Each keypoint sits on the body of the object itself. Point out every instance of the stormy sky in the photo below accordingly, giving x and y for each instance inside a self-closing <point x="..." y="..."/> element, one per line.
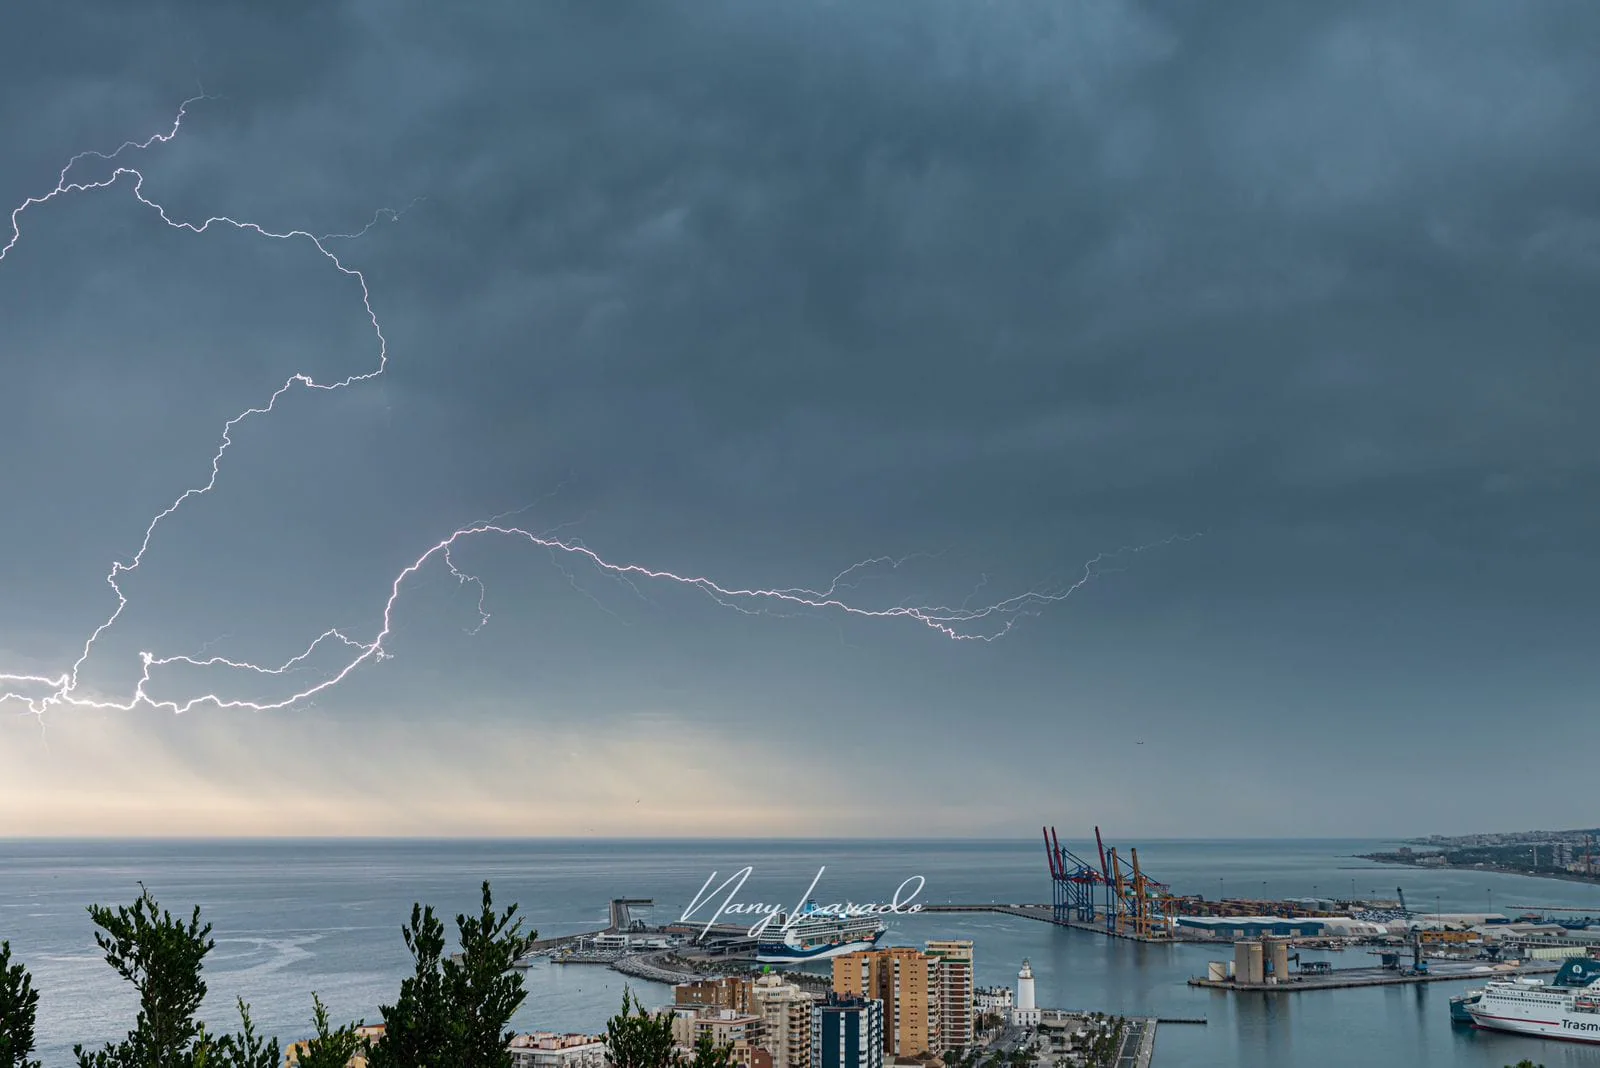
<point x="758" y="290"/>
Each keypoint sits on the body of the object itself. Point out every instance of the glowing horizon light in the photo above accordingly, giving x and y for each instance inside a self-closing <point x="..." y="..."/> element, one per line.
<point x="959" y="624"/>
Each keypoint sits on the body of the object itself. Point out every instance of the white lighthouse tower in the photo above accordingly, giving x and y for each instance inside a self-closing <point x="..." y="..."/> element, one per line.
<point x="1026" y="1012"/>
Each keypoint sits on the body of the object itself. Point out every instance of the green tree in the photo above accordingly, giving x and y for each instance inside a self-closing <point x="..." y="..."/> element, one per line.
<point x="417" y="1028"/>
<point x="244" y="1050"/>
<point x="19" y="1003"/>
<point x="707" y="1054"/>
<point x="330" y="1048"/>
<point x="453" y="1013"/>
<point x="636" y="1038"/>
<point x="484" y="989"/>
<point x="162" y="957"/>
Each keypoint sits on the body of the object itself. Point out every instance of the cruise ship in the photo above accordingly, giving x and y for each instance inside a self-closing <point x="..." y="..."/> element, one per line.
<point x="816" y="934"/>
<point x="1568" y="1007"/>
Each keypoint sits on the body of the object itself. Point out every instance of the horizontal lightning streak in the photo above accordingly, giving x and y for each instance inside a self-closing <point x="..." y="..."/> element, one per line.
<point x="959" y="624"/>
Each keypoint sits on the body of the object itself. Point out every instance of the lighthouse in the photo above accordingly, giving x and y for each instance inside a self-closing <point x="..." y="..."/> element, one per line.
<point x="1026" y="1013"/>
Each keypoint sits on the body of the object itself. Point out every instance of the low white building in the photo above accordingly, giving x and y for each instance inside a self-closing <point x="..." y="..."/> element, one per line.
<point x="993" y="999"/>
<point x="1346" y="927"/>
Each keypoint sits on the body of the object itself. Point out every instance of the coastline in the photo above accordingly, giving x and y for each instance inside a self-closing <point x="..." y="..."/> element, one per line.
<point x="1565" y="877"/>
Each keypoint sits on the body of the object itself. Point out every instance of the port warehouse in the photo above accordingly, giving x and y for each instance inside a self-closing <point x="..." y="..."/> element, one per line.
<point x="1541" y="940"/>
<point x="1255" y="927"/>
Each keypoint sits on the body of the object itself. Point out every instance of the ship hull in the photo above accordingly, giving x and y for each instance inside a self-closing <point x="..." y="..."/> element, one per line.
<point x="777" y="954"/>
<point x="1544" y="1027"/>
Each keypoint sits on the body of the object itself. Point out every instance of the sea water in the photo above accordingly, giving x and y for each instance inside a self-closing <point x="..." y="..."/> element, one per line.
<point x="291" y="917"/>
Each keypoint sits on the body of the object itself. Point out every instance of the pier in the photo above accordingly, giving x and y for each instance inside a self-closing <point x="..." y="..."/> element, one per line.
<point x="1047" y="914"/>
<point x="657" y="968"/>
<point x="1344" y="978"/>
<point x="1146" y="1050"/>
<point x="545" y="945"/>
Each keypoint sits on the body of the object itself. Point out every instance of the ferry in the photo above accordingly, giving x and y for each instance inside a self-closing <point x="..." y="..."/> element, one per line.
<point x="816" y="934"/>
<point x="1568" y="1007"/>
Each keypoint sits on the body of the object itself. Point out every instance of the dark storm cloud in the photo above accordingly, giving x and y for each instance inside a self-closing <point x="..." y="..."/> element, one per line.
<point x="1199" y="256"/>
<point x="785" y="285"/>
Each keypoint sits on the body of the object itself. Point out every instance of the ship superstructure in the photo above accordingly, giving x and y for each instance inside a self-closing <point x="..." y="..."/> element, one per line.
<point x="815" y="934"/>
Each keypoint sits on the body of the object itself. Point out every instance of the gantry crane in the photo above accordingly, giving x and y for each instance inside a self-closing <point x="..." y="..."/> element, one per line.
<point x="1073" y="881"/>
<point x="1136" y="905"/>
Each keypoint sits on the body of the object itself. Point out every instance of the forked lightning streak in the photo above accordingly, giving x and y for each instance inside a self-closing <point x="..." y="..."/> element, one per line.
<point x="39" y="693"/>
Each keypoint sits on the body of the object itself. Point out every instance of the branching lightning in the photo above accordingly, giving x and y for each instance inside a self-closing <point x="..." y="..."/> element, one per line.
<point x="39" y="693"/>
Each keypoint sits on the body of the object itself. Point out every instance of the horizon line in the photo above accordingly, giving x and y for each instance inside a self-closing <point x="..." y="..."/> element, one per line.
<point x="731" y="839"/>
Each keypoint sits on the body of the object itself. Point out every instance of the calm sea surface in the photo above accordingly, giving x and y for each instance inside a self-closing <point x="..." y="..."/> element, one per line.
<point x="292" y="917"/>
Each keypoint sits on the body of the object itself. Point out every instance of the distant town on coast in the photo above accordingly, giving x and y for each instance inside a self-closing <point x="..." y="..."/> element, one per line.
<point x="1570" y="855"/>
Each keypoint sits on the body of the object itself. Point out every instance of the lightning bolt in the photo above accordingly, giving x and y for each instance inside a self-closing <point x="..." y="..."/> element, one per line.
<point x="38" y="693"/>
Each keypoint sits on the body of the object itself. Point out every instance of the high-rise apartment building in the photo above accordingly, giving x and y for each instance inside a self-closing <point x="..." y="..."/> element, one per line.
<point x="732" y="992"/>
<point x="847" y="1032"/>
<point x="953" y="994"/>
<point x="903" y="979"/>
<point x="786" y="1011"/>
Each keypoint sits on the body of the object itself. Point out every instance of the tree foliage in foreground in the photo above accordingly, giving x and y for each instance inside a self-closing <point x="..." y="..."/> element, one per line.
<point x="162" y="957"/>
<point x="330" y="1048"/>
<point x="19" y="1003"/>
<point x="243" y="1050"/>
<point x="708" y="1054"/>
<point x="637" y="1038"/>
<point x="453" y="1013"/>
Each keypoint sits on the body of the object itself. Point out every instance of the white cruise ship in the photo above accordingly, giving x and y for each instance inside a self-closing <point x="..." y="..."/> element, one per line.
<point x="1533" y="1007"/>
<point x="816" y="934"/>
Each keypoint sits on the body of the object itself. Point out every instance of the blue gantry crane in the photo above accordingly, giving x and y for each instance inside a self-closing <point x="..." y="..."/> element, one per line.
<point x="1073" y="881"/>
